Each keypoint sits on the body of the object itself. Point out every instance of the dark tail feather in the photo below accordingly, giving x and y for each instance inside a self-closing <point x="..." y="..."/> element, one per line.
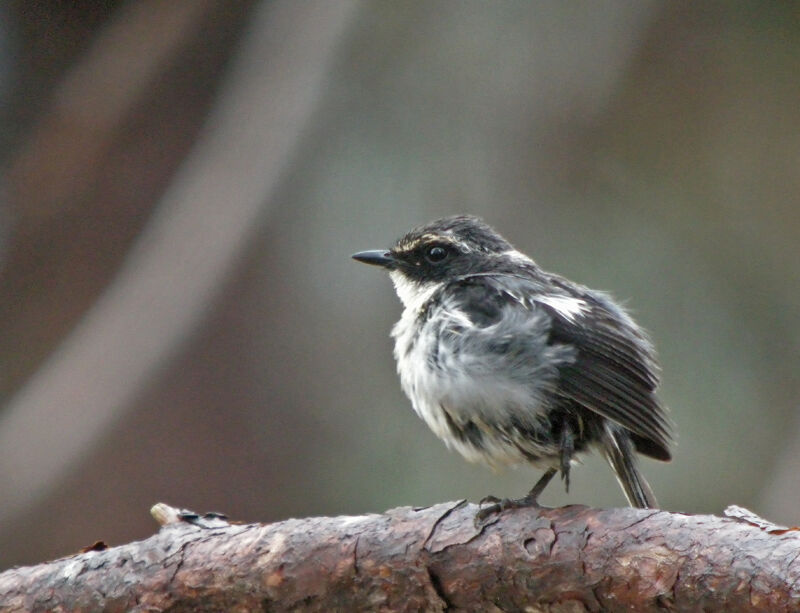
<point x="620" y="453"/>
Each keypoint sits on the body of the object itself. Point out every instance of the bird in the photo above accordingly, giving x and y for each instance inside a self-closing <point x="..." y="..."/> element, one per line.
<point x="509" y="364"/>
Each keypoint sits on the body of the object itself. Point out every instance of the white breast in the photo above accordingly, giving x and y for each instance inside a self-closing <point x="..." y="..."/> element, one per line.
<point x="459" y="381"/>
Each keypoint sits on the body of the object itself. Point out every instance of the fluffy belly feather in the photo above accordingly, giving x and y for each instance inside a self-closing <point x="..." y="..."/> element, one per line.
<point x="483" y="415"/>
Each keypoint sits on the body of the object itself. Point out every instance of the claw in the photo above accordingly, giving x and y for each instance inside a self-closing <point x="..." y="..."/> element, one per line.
<point x="531" y="500"/>
<point x="485" y="512"/>
<point x="501" y="505"/>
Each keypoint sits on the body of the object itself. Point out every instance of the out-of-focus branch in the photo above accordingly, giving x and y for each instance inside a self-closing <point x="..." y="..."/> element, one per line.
<point x="573" y="558"/>
<point x="169" y="279"/>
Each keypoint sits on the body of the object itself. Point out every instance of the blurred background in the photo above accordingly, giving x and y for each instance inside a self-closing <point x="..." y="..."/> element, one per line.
<point x="184" y="182"/>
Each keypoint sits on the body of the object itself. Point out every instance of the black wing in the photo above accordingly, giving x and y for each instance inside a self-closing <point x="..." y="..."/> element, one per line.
<point x="615" y="373"/>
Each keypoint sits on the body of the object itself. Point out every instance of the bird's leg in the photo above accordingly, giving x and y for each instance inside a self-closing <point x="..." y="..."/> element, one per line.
<point x="532" y="497"/>
<point x="529" y="500"/>
<point x="567" y="451"/>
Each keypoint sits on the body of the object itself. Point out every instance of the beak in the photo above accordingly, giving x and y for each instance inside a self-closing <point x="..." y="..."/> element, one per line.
<point x="378" y="257"/>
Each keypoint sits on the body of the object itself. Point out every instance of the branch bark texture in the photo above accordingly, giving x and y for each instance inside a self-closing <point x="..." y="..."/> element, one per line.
<point x="432" y="559"/>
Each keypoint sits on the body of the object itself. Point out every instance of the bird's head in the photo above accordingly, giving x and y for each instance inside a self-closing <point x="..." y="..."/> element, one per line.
<point x="441" y="251"/>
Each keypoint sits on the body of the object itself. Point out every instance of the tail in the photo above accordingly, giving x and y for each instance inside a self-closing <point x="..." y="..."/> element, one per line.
<point x="620" y="453"/>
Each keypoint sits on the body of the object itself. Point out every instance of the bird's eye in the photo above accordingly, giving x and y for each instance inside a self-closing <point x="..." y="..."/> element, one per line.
<point x="435" y="254"/>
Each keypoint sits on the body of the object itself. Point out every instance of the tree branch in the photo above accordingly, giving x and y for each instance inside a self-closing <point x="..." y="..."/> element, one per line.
<point x="572" y="558"/>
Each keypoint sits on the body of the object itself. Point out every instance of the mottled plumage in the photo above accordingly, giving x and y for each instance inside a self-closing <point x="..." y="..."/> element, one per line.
<point x="507" y="363"/>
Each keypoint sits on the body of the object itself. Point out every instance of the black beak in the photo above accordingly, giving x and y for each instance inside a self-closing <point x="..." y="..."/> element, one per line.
<point x="378" y="257"/>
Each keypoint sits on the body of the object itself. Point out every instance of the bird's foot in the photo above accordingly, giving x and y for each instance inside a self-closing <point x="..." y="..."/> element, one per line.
<point x="499" y="505"/>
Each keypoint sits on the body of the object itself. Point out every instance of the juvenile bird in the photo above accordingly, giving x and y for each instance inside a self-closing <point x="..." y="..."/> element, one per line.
<point x="509" y="364"/>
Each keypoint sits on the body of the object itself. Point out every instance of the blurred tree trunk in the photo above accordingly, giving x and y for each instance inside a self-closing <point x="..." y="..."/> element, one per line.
<point x="119" y="118"/>
<point x="133" y="280"/>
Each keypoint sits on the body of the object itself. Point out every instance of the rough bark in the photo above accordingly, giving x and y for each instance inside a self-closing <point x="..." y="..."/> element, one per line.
<point x="432" y="559"/>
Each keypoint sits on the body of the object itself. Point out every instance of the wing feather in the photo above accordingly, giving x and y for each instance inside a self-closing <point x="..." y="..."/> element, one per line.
<point x="614" y="373"/>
